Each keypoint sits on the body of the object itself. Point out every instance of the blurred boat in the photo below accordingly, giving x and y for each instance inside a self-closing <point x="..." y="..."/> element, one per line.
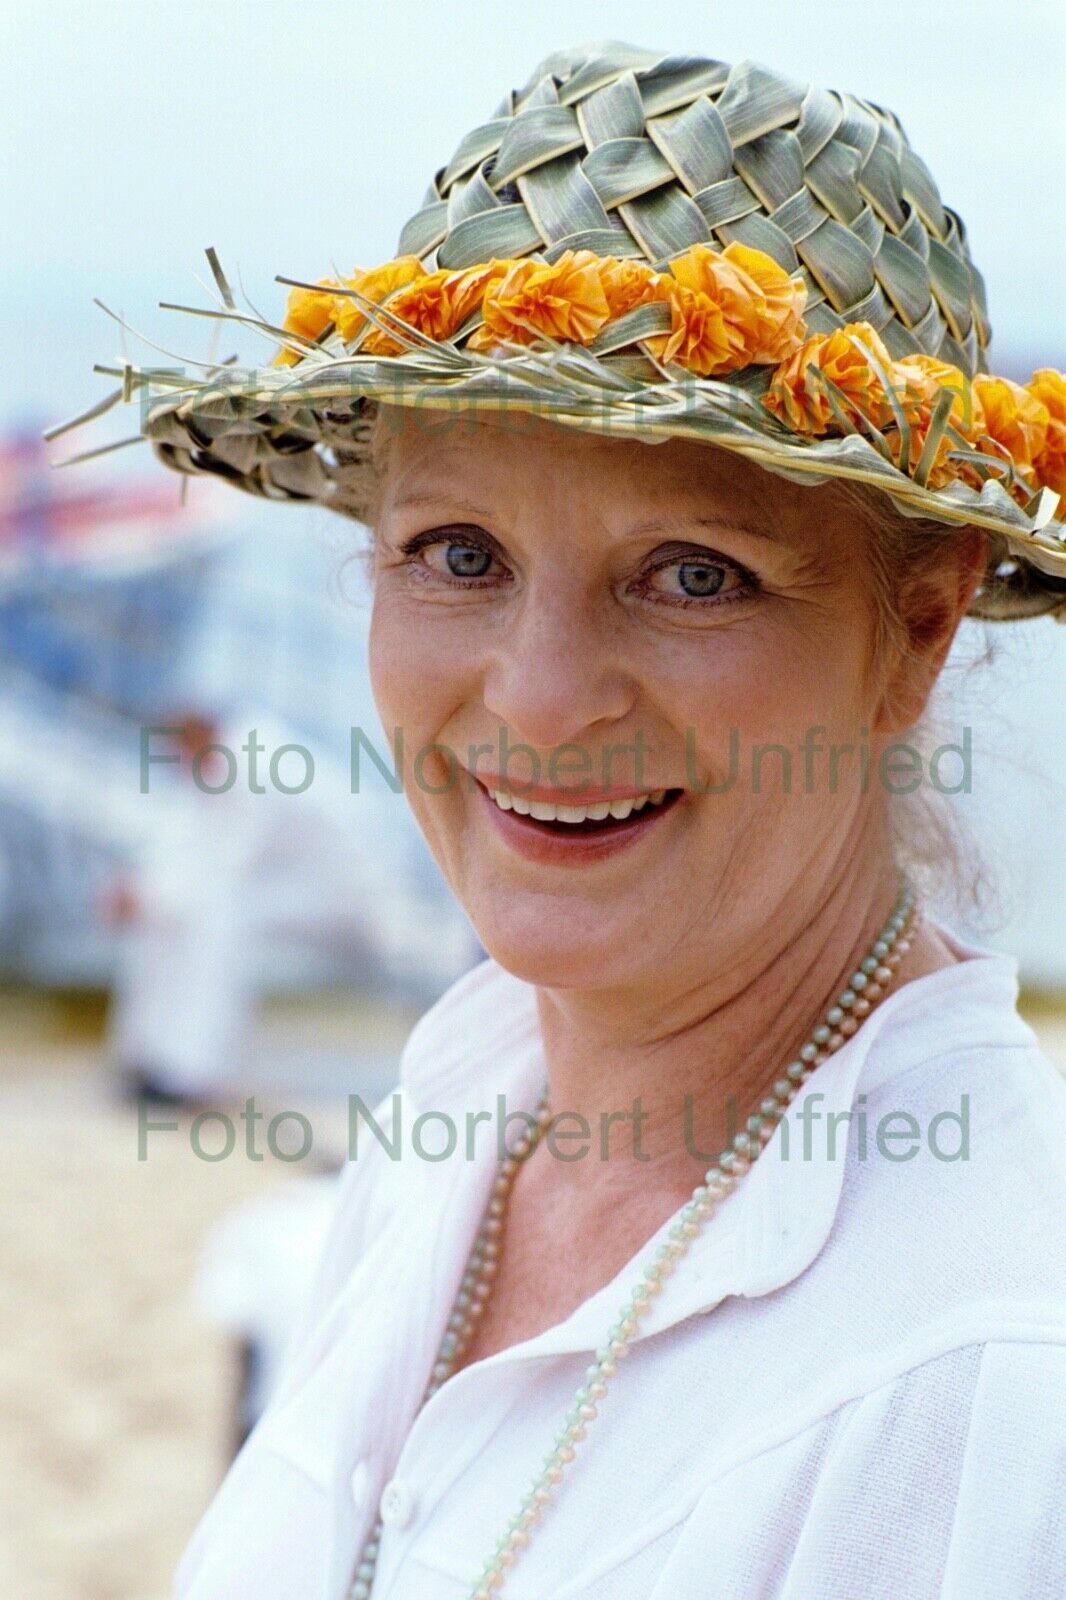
<point x="102" y="577"/>
<point x="120" y="605"/>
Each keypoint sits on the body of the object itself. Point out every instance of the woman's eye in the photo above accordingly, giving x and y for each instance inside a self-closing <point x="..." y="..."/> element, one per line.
<point x="467" y="561"/>
<point x="456" y="558"/>
<point x="694" y="578"/>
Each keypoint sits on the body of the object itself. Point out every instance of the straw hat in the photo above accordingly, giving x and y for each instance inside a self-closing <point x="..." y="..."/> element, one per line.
<point x="656" y="246"/>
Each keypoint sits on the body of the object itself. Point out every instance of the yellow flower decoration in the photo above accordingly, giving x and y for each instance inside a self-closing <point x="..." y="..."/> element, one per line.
<point x="699" y="337"/>
<point x="374" y="285"/>
<point x="798" y="397"/>
<point x="627" y="284"/>
<point x="1049" y="388"/>
<point x="730" y="309"/>
<point x="769" y="311"/>
<point x="307" y="313"/>
<point x="437" y="304"/>
<point x="563" y="301"/>
<point x="1014" y="419"/>
<point x="918" y="381"/>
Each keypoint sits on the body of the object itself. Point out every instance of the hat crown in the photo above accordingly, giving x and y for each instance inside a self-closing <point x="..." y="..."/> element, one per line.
<point x="629" y="152"/>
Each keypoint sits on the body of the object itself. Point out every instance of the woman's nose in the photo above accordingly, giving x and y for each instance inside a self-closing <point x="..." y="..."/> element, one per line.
<point x="555" y="675"/>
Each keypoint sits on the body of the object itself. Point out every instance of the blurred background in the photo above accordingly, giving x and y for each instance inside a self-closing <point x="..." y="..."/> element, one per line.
<point x="284" y="950"/>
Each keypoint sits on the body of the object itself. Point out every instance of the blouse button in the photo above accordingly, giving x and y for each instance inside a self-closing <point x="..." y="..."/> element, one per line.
<point x="397" y="1503"/>
<point x="360" y="1482"/>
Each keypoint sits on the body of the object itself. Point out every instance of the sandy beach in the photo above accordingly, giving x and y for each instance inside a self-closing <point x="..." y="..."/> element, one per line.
<point x="116" y="1396"/>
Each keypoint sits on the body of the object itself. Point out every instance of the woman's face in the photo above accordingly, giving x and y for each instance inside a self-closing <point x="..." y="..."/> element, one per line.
<point x="581" y="620"/>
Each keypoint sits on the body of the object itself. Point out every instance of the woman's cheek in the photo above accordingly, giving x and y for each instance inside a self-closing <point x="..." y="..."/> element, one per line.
<point x="400" y="664"/>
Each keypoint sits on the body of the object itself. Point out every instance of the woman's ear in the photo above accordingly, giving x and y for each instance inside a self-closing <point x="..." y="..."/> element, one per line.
<point x="930" y="608"/>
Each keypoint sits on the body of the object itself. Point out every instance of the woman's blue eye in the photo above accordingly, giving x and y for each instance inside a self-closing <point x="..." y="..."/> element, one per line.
<point x="700" y="578"/>
<point x="467" y="560"/>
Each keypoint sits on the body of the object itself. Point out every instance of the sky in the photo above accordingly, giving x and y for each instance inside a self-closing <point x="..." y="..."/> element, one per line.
<point x="298" y="135"/>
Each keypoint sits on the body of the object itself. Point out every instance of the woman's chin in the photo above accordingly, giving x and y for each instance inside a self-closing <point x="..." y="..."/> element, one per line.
<point x="585" y="949"/>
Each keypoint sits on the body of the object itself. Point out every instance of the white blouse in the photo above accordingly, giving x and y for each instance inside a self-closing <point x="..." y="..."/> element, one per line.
<point x="853" y="1388"/>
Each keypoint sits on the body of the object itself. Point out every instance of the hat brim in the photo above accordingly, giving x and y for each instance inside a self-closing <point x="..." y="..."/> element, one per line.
<point x="304" y="434"/>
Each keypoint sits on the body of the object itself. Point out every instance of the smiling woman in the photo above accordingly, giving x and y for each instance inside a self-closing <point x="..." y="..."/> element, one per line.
<point x="672" y="426"/>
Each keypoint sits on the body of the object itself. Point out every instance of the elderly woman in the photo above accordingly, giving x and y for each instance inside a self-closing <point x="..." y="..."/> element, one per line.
<point x="712" y="1245"/>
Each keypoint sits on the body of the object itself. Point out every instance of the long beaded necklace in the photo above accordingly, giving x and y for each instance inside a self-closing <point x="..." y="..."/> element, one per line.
<point x="865" y="987"/>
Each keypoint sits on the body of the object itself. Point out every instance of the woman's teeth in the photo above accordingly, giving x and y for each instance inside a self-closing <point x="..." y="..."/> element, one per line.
<point x="541" y="811"/>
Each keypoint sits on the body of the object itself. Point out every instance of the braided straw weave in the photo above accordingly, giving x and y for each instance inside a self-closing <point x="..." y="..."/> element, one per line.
<point x="629" y="153"/>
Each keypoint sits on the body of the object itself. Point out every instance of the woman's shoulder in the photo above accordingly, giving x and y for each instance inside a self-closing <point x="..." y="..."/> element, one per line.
<point x="943" y="1476"/>
<point x="957" y="1187"/>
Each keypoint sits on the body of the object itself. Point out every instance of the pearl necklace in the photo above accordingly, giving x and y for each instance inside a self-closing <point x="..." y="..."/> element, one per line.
<point x="864" y="988"/>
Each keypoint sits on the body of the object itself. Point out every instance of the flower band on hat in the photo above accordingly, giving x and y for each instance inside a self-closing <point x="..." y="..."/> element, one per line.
<point x="723" y="312"/>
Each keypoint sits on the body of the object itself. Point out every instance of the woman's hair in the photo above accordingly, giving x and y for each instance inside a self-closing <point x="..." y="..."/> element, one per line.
<point x="933" y="845"/>
<point x="932" y="839"/>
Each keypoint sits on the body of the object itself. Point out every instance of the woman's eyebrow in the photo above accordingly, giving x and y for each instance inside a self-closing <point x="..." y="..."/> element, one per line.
<point x="435" y="501"/>
<point x="645" y="530"/>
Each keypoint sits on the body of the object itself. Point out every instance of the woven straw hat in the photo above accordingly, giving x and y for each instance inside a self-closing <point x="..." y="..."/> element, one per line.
<point x="653" y="246"/>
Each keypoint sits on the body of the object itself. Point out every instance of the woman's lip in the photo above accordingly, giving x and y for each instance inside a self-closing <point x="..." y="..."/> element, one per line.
<point x="566" y="846"/>
<point x="580" y="795"/>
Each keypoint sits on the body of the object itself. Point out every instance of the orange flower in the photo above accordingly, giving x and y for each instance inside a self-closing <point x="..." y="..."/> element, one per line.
<point x="730" y="309"/>
<point x="1049" y="388"/>
<point x="628" y="284"/>
<point x="373" y="285"/>
<point x="1015" y="419"/>
<point x="437" y="304"/>
<point x="564" y="300"/>
<point x="307" y="312"/>
<point x="773" y="321"/>
<point x="423" y="303"/>
<point x="798" y="397"/>
<point x="918" y="381"/>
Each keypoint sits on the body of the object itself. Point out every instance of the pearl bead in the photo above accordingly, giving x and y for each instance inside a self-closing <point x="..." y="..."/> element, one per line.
<point x="862" y="1008"/>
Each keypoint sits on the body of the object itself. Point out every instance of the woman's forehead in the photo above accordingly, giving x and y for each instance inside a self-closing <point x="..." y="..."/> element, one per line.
<point x="480" y="458"/>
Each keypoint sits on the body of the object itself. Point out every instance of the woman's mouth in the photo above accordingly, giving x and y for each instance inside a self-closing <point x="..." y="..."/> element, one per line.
<point x="571" y="832"/>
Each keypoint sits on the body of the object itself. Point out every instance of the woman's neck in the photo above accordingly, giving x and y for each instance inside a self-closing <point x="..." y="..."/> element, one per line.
<point x="672" y="1067"/>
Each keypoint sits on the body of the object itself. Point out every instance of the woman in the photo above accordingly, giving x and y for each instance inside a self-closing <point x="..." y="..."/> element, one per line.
<point x="680" y="480"/>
